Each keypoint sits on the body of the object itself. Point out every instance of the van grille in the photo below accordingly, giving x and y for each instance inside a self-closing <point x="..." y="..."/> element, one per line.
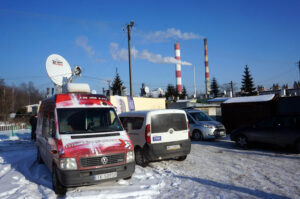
<point x="96" y="161"/>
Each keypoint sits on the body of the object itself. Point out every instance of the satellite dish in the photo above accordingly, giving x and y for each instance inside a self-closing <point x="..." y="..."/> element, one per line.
<point x="58" y="69"/>
<point x="147" y="90"/>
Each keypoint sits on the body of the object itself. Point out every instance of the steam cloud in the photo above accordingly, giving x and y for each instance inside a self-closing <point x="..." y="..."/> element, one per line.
<point x="171" y="33"/>
<point x="122" y="54"/>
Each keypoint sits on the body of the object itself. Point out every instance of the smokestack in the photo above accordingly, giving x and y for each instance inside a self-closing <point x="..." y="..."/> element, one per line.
<point x="207" y="84"/>
<point x="178" y="69"/>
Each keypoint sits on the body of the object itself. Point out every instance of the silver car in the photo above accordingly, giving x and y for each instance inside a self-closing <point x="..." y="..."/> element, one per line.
<point x="203" y="127"/>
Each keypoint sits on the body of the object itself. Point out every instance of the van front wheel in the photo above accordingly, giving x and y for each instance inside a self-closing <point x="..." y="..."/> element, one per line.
<point x="140" y="158"/>
<point x="197" y="135"/>
<point x="57" y="186"/>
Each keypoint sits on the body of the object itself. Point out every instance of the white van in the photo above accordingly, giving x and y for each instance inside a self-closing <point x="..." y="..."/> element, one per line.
<point x="81" y="140"/>
<point x="158" y="134"/>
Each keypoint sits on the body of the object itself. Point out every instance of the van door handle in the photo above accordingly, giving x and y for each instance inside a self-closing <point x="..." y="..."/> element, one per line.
<point x="53" y="152"/>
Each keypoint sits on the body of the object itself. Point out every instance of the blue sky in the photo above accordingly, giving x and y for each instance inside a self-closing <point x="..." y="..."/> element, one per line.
<point x="265" y="35"/>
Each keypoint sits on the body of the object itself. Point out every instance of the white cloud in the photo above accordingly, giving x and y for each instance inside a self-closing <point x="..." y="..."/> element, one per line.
<point x="171" y="33"/>
<point x="122" y="54"/>
<point x="82" y="42"/>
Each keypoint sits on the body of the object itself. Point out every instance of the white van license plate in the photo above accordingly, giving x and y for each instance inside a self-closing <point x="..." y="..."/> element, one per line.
<point x="173" y="147"/>
<point x="105" y="176"/>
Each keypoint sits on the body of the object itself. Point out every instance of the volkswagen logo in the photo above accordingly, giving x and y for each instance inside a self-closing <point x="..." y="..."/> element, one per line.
<point x="171" y="130"/>
<point x="104" y="160"/>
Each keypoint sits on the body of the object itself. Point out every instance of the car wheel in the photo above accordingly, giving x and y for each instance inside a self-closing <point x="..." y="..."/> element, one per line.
<point x="57" y="186"/>
<point x="140" y="158"/>
<point x="182" y="158"/>
<point x="197" y="135"/>
<point x="242" y="141"/>
<point x="38" y="157"/>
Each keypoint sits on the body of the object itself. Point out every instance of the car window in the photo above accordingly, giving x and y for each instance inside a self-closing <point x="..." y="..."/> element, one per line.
<point x="286" y="121"/>
<point x="191" y="121"/>
<point x="267" y="123"/>
<point x="200" y="116"/>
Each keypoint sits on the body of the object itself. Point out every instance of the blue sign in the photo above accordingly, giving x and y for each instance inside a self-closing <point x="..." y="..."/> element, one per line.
<point x="130" y="101"/>
<point x="156" y="138"/>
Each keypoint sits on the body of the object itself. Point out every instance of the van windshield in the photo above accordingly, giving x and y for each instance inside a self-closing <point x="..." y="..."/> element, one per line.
<point x="163" y="122"/>
<point x="200" y="116"/>
<point x="87" y="120"/>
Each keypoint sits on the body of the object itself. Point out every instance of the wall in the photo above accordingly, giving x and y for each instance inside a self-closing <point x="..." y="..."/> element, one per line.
<point x="141" y="103"/>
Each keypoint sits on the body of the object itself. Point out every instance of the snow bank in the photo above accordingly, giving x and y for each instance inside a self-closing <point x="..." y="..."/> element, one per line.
<point x="259" y="98"/>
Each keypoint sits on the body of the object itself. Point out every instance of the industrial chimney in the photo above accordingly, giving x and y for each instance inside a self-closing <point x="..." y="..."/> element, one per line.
<point x="178" y="69"/>
<point x="207" y="84"/>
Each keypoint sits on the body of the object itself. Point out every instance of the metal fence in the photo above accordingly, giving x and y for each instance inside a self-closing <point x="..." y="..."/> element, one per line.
<point x="8" y="127"/>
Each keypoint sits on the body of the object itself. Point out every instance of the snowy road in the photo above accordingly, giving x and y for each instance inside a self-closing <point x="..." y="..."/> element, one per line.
<point x="212" y="170"/>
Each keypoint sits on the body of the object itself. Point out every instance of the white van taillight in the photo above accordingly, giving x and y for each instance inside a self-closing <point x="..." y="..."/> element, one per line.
<point x="148" y="133"/>
<point x="188" y="125"/>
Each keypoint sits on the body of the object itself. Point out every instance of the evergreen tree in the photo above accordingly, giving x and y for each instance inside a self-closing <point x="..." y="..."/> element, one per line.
<point x="247" y="83"/>
<point x="183" y="93"/>
<point x="215" y="90"/>
<point x="171" y="91"/>
<point x="117" y="85"/>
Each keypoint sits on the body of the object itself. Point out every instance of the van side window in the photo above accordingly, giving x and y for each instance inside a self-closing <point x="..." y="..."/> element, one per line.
<point x="45" y="125"/>
<point x="48" y="124"/>
<point x="132" y="123"/>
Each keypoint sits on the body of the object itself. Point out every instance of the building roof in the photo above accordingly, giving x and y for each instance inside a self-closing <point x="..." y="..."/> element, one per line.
<point x="259" y="98"/>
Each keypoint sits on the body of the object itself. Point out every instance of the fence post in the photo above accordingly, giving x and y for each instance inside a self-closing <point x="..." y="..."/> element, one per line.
<point x="12" y="131"/>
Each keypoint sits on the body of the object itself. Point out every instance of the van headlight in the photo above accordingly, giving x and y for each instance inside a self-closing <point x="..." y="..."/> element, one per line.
<point x="208" y="126"/>
<point x="68" y="163"/>
<point x="130" y="156"/>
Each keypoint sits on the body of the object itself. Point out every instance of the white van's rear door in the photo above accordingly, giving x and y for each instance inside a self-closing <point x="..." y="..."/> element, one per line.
<point x="168" y="127"/>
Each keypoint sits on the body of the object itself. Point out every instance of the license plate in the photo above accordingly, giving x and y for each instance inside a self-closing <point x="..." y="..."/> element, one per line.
<point x="173" y="147"/>
<point x="105" y="176"/>
<point x="221" y="132"/>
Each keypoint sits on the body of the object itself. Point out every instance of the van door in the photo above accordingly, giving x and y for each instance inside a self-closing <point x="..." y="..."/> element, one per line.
<point x="168" y="127"/>
<point x="48" y="143"/>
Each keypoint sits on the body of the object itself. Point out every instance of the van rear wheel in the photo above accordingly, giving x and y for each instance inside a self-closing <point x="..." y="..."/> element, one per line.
<point x="140" y="158"/>
<point x="57" y="186"/>
<point x="181" y="158"/>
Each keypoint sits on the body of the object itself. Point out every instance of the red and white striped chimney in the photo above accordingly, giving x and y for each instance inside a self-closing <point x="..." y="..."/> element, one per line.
<point x="207" y="84"/>
<point x="178" y="69"/>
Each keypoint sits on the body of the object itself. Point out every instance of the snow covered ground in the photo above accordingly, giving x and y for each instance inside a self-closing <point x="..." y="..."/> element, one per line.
<point x="212" y="170"/>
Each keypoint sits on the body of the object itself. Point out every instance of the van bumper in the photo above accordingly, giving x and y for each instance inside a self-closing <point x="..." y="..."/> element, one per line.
<point x="160" y="151"/>
<point x="86" y="177"/>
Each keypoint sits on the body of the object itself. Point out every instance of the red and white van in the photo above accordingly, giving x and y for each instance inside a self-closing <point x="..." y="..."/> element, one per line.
<point x="81" y="140"/>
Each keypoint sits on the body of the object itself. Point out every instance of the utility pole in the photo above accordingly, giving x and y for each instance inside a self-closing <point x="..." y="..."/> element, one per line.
<point x="299" y="68"/>
<point x="129" y="27"/>
<point x="231" y="84"/>
<point x="195" y="90"/>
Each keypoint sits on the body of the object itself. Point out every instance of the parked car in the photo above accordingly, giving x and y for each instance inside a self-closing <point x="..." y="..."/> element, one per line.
<point x="283" y="131"/>
<point x="158" y="134"/>
<point x="203" y="127"/>
<point x="81" y="140"/>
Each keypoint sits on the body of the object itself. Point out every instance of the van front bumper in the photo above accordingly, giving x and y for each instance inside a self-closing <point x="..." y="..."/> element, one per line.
<point x="87" y="177"/>
<point x="166" y="150"/>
